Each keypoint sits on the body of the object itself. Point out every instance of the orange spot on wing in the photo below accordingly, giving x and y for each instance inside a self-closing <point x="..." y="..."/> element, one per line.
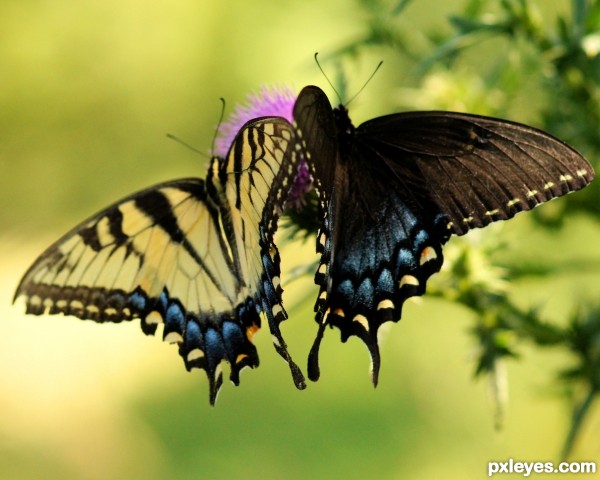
<point x="251" y="331"/>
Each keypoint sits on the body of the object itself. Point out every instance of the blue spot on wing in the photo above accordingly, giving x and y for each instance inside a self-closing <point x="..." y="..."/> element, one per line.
<point x="174" y="319"/>
<point x="406" y="259"/>
<point x="421" y="239"/>
<point x="138" y="301"/>
<point x="365" y="294"/>
<point x="385" y="283"/>
<point x="193" y="336"/>
<point x="345" y="288"/>
<point x="215" y="349"/>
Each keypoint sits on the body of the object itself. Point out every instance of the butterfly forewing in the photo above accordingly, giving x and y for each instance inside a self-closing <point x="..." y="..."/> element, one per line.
<point x="316" y="134"/>
<point x="475" y="169"/>
<point x="195" y="255"/>
<point x="116" y="250"/>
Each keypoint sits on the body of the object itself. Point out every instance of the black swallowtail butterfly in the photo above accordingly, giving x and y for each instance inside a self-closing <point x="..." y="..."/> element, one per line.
<point x="394" y="189"/>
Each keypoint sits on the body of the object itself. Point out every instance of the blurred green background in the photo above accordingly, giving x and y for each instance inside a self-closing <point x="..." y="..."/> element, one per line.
<point x="88" y="91"/>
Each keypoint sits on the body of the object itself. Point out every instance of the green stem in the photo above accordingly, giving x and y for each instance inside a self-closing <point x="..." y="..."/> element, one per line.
<point x="579" y="414"/>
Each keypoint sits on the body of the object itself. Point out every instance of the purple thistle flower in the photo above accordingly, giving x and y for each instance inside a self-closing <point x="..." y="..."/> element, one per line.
<point x="270" y="101"/>
<point x="301" y="185"/>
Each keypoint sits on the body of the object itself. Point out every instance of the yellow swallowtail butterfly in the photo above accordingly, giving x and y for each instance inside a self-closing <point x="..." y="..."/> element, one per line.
<point x="195" y="255"/>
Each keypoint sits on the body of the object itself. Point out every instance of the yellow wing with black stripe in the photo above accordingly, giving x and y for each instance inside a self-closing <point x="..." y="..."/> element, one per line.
<point x="195" y="255"/>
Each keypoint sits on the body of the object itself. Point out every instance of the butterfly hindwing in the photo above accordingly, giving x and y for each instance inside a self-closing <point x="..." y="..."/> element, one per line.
<point x="381" y="255"/>
<point x="197" y="256"/>
<point x="393" y="190"/>
<point x="257" y="192"/>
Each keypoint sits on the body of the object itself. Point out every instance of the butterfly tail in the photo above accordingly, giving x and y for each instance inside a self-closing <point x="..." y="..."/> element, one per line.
<point x="314" y="371"/>
<point x="271" y="305"/>
<point x="274" y="319"/>
<point x="373" y="347"/>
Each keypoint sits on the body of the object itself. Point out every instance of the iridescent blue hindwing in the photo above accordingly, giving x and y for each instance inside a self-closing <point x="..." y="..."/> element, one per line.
<point x="383" y="255"/>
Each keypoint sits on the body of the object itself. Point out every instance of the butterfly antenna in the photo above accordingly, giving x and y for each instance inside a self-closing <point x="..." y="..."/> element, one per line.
<point x="216" y="134"/>
<point x="326" y="77"/>
<point x="170" y="136"/>
<point x="365" y="84"/>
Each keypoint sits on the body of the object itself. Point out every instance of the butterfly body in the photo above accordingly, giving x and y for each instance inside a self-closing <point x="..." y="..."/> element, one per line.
<point x="395" y="188"/>
<point x="194" y="255"/>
